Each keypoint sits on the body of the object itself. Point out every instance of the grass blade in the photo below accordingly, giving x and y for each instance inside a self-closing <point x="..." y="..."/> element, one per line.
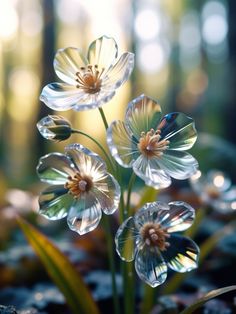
<point x="60" y="270"/>
<point x="210" y="295"/>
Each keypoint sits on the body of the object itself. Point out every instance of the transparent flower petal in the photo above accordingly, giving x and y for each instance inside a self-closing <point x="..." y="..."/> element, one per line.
<point x="226" y="202"/>
<point x="86" y="161"/>
<point x="150" y="266"/>
<point x="85" y="214"/>
<point x="55" y="168"/>
<point x="150" y="171"/>
<point x="143" y="114"/>
<point x="119" y="73"/>
<point x="67" y="62"/>
<point x="178" y="164"/>
<point x="153" y="212"/>
<point x="107" y="192"/>
<point x="179" y="217"/>
<point x="102" y="52"/>
<point x="61" y="97"/>
<point x="122" y="145"/>
<point x="92" y="101"/>
<point x="127" y="240"/>
<point x="55" y="202"/>
<point x="179" y="129"/>
<point x="182" y="254"/>
<point x="54" y="128"/>
<point x="44" y="126"/>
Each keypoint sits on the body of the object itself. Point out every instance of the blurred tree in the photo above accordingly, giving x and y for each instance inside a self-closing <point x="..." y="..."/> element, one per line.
<point x="230" y="115"/>
<point x="48" y="48"/>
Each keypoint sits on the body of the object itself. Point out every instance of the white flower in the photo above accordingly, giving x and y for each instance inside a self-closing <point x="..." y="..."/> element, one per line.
<point x="148" y="238"/>
<point x="90" y="81"/>
<point x="81" y="188"/>
<point x="154" y="146"/>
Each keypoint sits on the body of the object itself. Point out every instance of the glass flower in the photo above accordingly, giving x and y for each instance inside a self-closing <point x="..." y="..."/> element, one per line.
<point x="81" y="188"/>
<point x="90" y="81"/>
<point x="215" y="189"/>
<point x="154" y="146"/>
<point x="54" y="128"/>
<point x="149" y="238"/>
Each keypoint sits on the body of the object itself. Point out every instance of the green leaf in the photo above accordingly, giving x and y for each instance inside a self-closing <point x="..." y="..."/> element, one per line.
<point x="210" y="295"/>
<point x="60" y="270"/>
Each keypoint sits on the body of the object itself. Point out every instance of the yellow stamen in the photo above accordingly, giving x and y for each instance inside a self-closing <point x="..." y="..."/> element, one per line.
<point x="89" y="79"/>
<point x="150" y="144"/>
<point x="78" y="184"/>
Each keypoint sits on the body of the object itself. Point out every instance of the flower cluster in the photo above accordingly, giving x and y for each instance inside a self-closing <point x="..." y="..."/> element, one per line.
<point x="155" y="147"/>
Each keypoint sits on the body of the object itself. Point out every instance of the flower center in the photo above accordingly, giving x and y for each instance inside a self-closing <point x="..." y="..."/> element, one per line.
<point x="212" y="192"/>
<point x="89" y="79"/>
<point x="154" y="235"/>
<point x="78" y="184"/>
<point x="150" y="144"/>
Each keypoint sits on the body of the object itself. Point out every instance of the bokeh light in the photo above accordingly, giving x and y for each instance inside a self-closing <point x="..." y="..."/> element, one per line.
<point x="8" y="19"/>
<point x="147" y="24"/>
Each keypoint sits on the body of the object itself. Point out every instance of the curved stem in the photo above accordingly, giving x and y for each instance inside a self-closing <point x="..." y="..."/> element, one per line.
<point x="98" y="144"/>
<point x="116" y="170"/>
<point x="129" y="190"/>
<point x="103" y="117"/>
<point x="127" y="269"/>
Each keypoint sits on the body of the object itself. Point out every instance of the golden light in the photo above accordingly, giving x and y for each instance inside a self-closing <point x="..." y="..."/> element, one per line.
<point x="24" y="84"/>
<point x="23" y="81"/>
<point x="197" y="82"/>
<point x="8" y="19"/>
<point x="32" y="22"/>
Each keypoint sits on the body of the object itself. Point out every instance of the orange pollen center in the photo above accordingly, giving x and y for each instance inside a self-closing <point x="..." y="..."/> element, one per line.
<point x="89" y="79"/>
<point x="154" y="235"/>
<point x="212" y="192"/>
<point x="78" y="184"/>
<point x="150" y="144"/>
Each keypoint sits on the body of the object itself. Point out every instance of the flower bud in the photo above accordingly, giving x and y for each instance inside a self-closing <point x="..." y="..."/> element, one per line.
<point x="54" y="128"/>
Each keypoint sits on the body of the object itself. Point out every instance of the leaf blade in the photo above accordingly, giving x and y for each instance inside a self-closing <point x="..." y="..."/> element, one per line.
<point x="208" y="296"/>
<point x="60" y="270"/>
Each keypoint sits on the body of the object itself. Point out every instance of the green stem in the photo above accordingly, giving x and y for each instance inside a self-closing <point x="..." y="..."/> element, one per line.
<point x="98" y="144"/>
<point x="128" y="287"/>
<point x="148" y="299"/>
<point x="112" y="263"/>
<point x="128" y="271"/>
<point x="116" y="170"/>
<point x="127" y="268"/>
<point x="103" y="118"/>
<point x="129" y="190"/>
